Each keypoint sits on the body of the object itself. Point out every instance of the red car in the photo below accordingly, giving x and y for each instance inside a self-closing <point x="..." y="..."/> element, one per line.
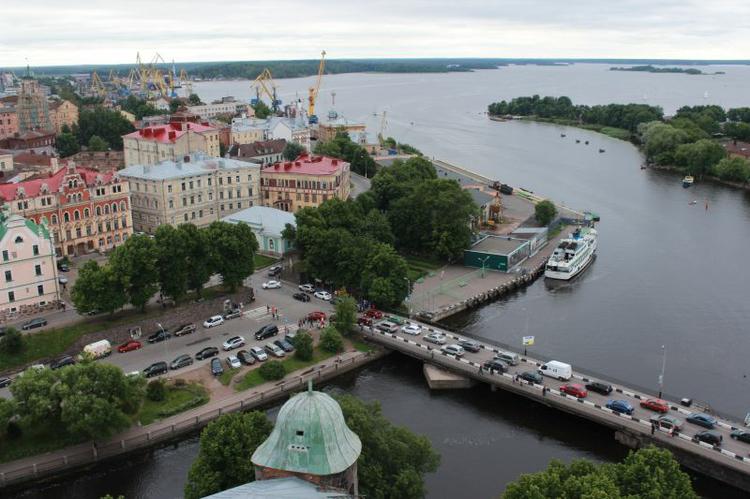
<point x="129" y="346"/>
<point x="657" y="405"/>
<point x="364" y="321"/>
<point x="316" y="316"/>
<point x="373" y="313"/>
<point x="575" y="390"/>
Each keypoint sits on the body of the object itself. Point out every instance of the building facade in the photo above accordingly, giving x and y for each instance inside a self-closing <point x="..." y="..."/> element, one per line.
<point x="170" y="142"/>
<point x="224" y="106"/>
<point x="61" y="113"/>
<point x="86" y="210"/>
<point x="306" y="181"/>
<point x="29" y="271"/>
<point x="32" y="108"/>
<point x="199" y="189"/>
<point x="263" y="152"/>
<point x="267" y="224"/>
<point x="8" y="121"/>
<point x="249" y="130"/>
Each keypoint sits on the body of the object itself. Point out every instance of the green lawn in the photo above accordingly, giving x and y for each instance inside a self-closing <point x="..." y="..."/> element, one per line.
<point x="291" y="364"/>
<point x="361" y="346"/>
<point x="226" y="376"/>
<point x="420" y="267"/>
<point x="178" y="399"/>
<point x="36" y="439"/>
<point x="262" y="261"/>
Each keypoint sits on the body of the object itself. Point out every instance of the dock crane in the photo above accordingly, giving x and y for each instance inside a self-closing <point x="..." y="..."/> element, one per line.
<point x="313" y="93"/>
<point x="264" y="84"/>
<point x="185" y="82"/>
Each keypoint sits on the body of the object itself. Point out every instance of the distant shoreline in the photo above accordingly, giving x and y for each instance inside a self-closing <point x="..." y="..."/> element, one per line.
<point x="653" y="69"/>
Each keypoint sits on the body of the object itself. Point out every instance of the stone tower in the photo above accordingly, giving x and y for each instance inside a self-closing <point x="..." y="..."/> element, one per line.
<point x="311" y="441"/>
<point x="33" y="113"/>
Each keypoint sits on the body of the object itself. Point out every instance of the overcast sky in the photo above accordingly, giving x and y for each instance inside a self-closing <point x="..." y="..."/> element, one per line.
<point x="56" y="32"/>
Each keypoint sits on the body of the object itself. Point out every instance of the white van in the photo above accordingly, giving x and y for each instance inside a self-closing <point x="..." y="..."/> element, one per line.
<point x="508" y="357"/>
<point x="557" y="370"/>
<point x="98" y="349"/>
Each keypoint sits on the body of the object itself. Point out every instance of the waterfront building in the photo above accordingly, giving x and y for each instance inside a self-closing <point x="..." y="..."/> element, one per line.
<point x="248" y="130"/>
<point x="86" y="210"/>
<point x="27" y="261"/>
<point x="263" y="152"/>
<point x="32" y="108"/>
<point x="173" y="141"/>
<point x="306" y="181"/>
<point x="224" y="106"/>
<point x="61" y="113"/>
<point x="267" y="224"/>
<point x="197" y="188"/>
<point x="328" y="130"/>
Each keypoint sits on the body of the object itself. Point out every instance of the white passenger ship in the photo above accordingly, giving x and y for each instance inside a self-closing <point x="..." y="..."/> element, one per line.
<point x="572" y="255"/>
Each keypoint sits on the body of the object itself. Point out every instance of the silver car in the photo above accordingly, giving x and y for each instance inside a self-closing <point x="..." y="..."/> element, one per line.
<point x="436" y="338"/>
<point x="258" y="353"/>
<point x="274" y="350"/>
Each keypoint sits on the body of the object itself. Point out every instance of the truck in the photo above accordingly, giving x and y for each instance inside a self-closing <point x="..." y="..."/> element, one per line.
<point x="98" y="349"/>
<point x="557" y="370"/>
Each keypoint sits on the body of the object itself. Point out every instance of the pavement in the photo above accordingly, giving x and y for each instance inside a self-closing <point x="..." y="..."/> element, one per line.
<point x="360" y="184"/>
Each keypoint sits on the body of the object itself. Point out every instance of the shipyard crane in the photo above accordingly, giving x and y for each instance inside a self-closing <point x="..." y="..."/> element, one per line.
<point x="97" y="86"/>
<point x="265" y="85"/>
<point x="313" y="93"/>
<point x="185" y="82"/>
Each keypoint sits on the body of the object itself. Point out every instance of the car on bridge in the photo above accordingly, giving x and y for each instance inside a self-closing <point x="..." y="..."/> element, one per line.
<point x="532" y="377"/>
<point x="741" y="435"/>
<point x="709" y="437"/>
<point x="701" y="419"/>
<point x="271" y="284"/>
<point x="373" y="313"/>
<point x="495" y="365"/>
<point x="470" y="345"/>
<point x="668" y="423"/>
<point x="621" y="406"/>
<point x="575" y="390"/>
<point x="436" y="338"/>
<point x="411" y="328"/>
<point x="657" y="405"/>
<point x="599" y="387"/>
<point x="301" y="297"/>
<point x="453" y="349"/>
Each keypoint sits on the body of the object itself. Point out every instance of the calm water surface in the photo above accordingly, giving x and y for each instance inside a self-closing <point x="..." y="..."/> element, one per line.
<point x="668" y="273"/>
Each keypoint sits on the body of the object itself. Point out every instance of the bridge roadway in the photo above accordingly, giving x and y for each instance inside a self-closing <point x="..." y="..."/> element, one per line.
<point x="729" y="462"/>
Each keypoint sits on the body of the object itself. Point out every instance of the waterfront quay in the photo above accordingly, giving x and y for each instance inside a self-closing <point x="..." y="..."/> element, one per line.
<point x="728" y="462"/>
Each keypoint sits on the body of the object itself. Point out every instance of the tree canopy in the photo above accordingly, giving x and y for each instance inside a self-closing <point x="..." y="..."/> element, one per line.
<point x="343" y="147"/>
<point x="108" y="124"/>
<point x="232" y="251"/>
<point x="545" y="212"/>
<point x="292" y="150"/>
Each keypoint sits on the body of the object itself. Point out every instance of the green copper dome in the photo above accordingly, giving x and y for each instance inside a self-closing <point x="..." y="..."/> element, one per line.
<point x="310" y="436"/>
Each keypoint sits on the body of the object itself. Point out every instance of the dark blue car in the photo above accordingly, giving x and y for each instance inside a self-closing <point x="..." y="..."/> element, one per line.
<point x="621" y="406"/>
<point x="701" y="419"/>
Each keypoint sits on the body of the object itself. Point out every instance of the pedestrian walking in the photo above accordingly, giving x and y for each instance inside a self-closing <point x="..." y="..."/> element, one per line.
<point x="653" y="428"/>
<point x="544" y="391"/>
<point x="268" y="308"/>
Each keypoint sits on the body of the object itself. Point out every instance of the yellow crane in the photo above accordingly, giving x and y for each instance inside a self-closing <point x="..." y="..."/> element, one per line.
<point x="185" y="82"/>
<point x="313" y="93"/>
<point x="97" y="86"/>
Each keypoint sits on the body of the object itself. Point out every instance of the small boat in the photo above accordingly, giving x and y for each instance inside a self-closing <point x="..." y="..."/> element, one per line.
<point x="578" y="141"/>
<point x="643" y="166"/>
<point x="601" y="150"/>
<point x="562" y="135"/>
<point x="587" y="142"/>
<point x="687" y="181"/>
<point x="691" y="203"/>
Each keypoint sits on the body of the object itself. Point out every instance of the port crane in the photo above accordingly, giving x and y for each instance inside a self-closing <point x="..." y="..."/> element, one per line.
<point x="265" y="85"/>
<point x="313" y="92"/>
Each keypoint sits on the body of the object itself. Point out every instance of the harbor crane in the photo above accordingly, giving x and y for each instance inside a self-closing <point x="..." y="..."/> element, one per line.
<point x="313" y="93"/>
<point x="265" y="85"/>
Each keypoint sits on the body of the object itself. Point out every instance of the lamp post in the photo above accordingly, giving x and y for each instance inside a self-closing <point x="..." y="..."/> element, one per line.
<point x="484" y="261"/>
<point x="663" y="366"/>
<point x="165" y="338"/>
<point x="408" y="292"/>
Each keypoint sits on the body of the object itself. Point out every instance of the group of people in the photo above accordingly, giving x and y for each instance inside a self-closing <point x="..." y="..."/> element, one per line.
<point x="273" y="311"/>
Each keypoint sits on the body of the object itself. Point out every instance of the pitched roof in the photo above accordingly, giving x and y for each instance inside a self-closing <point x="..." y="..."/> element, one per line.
<point x="168" y="133"/>
<point x="32" y="187"/>
<point x="198" y="164"/>
<point x="279" y="488"/>
<point x="270" y="221"/>
<point x="256" y="149"/>
<point x="307" y="165"/>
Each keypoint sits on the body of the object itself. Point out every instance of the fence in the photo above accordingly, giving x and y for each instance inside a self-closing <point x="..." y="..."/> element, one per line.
<point x="148" y="436"/>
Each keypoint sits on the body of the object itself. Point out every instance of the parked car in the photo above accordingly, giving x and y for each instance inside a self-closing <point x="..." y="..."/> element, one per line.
<point x="233" y="342"/>
<point x="622" y="406"/>
<point x="657" y="405"/>
<point x="215" y="320"/>
<point x="62" y="280"/>
<point x="364" y="321"/>
<point x="470" y="345"/>
<point x="266" y="331"/>
<point x="181" y="361"/>
<point x="246" y="357"/>
<point x="5" y="382"/>
<point x="322" y="295"/>
<point x="258" y="353"/>
<point x="233" y="362"/>
<point x="216" y="368"/>
<point x="185" y="329"/>
<point x="34" y="323"/>
<point x="274" y="350"/>
<point x="741" y="435"/>
<point x="532" y="377"/>
<point x="161" y="335"/>
<point x="63" y="267"/>
<point x="316" y="316"/>
<point x="575" y="390"/>
<point x="436" y="338"/>
<point x="65" y="360"/>
<point x="284" y="345"/>
<point x="275" y="270"/>
<point x="708" y="436"/>
<point x="232" y="314"/>
<point x="155" y="369"/>
<point x="453" y="349"/>
<point x="411" y="328"/>
<point x="206" y="353"/>
<point x="701" y="419"/>
<point x="373" y="313"/>
<point x="495" y="365"/>
<point x="667" y="422"/>
<point x="599" y="387"/>
<point x="301" y="296"/>
<point x="271" y="284"/>
<point x="307" y="288"/>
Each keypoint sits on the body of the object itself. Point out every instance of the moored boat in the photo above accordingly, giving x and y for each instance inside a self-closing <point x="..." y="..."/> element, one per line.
<point x="687" y="181"/>
<point x="572" y="255"/>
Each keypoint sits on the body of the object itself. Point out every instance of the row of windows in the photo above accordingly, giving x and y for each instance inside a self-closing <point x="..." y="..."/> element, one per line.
<point x="222" y="207"/>
<point x="12" y="294"/>
<point x="9" y="274"/>
<point x="19" y="240"/>
<point x="299" y="196"/>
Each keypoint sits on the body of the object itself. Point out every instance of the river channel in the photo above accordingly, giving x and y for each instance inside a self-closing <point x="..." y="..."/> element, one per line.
<point x="668" y="273"/>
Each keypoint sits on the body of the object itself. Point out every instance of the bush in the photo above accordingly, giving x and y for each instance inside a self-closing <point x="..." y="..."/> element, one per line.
<point x="12" y="343"/>
<point x="13" y="430"/>
<point x="331" y="341"/>
<point x="303" y="345"/>
<point x="156" y="390"/>
<point x="272" y="370"/>
<point x="190" y="404"/>
<point x="545" y="212"/>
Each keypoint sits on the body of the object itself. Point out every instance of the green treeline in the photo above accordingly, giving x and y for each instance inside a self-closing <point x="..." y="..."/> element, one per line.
<point x="654" y="69"/>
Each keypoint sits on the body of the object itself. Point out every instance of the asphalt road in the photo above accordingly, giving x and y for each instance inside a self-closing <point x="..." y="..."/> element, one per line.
<point x="360" y="184"/>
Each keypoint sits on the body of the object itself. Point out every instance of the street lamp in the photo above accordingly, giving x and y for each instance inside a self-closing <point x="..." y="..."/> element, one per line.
<point x="663" y="366"/>
<point x="408" y="292"/>
<point x="484" y="261"/>
<point x="165" y="338"/>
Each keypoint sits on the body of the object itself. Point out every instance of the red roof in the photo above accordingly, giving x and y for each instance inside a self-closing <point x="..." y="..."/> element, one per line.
<point x="32" y="187"/>
<point x="168" y="133"/>
<point x="307" y="165"/>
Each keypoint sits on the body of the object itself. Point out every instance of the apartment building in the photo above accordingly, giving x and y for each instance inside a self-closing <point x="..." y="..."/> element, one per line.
<point x="225" y="106"/>
<point x="306" y="181"/>
<point x="198" y="189"/>
<point x="263" y="152"/>
<point x="249" y="130"/>
<point x="170" y="142"/>
<point x="61" y="113"/>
